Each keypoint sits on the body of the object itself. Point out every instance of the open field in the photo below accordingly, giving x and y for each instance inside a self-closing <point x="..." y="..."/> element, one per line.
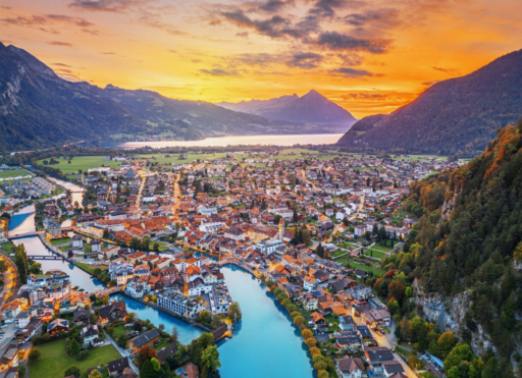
<point x="303" y="153"/>
<point x="184" y="158"/>
<point x="83" y="163"/>
<point x="16" y="172"/>
<point x="53" y="361"/>
<point x="419" y="157"/>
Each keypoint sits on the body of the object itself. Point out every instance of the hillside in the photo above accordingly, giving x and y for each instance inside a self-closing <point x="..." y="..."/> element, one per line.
<point x="40" y="109"/>
<point x="457" y="116"/>
<point x="312" y="110"/>
<point x="467" y="247"/>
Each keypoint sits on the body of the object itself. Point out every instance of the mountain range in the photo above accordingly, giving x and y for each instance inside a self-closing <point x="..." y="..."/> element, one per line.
<point x="309" y="109"/>
<point x="458" y="116"/>
<point x="38" y="108"/>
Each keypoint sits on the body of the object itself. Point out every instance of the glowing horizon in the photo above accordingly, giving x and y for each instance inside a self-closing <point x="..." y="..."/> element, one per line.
<point x="368" y="56"/>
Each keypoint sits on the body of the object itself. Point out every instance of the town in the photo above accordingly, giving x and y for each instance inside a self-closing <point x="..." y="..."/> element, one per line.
<point x="158" y="230"/>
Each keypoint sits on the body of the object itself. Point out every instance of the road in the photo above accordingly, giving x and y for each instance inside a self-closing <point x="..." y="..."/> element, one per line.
<point x="388" y="340"/>
<point x="124" y="353"/>
<point x="176" y="196"/>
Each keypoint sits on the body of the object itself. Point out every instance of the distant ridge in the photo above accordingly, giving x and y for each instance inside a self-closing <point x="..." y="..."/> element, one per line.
<point x="311" y="108"/>
<point x="458" y="116"/>
<point x="40" y="109"/>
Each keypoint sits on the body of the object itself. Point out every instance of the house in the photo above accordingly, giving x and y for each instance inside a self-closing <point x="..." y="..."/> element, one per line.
<point x="9" y="359"/>
<point x="58" y="326"/>
<point x="147" y="338"/>
<point x="117" y="367"/>
<point x="348" y="367"/>
<point x="81" y="315"/>
<point x="168" y="351"/>
<point x="391" y="368"/>
<point x="377" y="357"/>
<point x="111" y="312"/>
<point x="90" y="334"/>
<point x="189" y="370"/>
<point x="267" y="247"/>
<point x="23" y="319"/>
<point x="346" y="323"/>
<point x="77" y="242"/>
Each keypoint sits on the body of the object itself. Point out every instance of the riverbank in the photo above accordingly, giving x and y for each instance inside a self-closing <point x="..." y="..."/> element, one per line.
<point x="171" y="313"/>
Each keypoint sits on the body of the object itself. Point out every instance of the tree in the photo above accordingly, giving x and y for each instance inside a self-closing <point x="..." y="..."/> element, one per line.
<point x="21" y="262"/>
<point x="234" y="312"/>
<point x="147" y="369"/>
<point x="72" y="371"/>
<point x="320" y="250"/>
<point x="34" y="355"/>
<point x="73" y="347"/>
<point x="210" y="360"/>
<point x="95" y="373"/>
<point x="445" y="342"/>
<point x="460" y="353"/>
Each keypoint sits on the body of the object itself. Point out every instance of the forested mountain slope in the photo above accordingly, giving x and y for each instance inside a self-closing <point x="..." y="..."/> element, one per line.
<point x="467" y="246"/>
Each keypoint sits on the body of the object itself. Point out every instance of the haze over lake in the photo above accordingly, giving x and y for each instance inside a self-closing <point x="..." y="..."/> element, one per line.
<point x="241" y="140"/>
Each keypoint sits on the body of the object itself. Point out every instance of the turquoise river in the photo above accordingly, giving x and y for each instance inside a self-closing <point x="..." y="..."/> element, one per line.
<point x="265" y="344"/>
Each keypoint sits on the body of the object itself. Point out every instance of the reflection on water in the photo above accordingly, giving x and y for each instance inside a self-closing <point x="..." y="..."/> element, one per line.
<point x="267" y="344"/>
<point x="249" y="140"/>
<point x="186" y="332"/>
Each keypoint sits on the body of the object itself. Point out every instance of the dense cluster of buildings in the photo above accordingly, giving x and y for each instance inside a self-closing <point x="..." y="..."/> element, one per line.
<point x="160" y="232"/>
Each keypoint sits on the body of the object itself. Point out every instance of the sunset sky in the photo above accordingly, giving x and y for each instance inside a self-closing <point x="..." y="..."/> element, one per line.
<point x="368" y="56"/>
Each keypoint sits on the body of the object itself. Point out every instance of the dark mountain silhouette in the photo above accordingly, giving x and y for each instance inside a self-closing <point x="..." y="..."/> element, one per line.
<point x="39" y="109"/>
<point x="457" y="116"/>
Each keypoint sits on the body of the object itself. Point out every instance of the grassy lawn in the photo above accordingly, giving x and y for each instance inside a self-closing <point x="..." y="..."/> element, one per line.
<point x="89" y="268"/>
<point x="9" y="173"/>
<point x="377" y="251"/>
<point x="62" y="244"/>
<point x="181" y="158"/>
<point x="53" y="361"/>
<point x="83" y="163"/>
<point x="7" y="248"/>
<point x="354" y="264"/>
<point x="118" y="332"/>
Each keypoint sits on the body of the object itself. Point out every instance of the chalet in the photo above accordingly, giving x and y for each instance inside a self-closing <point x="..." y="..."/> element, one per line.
<point x="111" y="312"/>
<point x="90" y="334"/>
<point x="392" y="368"/>
<point x="166" y="352"/>
<point x="348" y="367"/>
<point x="147" y="338"/>
<point x="117" y="367"/>
<point x="58" y="326"/>
<point x="377" y="357"/>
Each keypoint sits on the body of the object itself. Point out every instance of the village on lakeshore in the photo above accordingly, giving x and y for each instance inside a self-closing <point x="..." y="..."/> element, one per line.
<point x="313" y="227"/>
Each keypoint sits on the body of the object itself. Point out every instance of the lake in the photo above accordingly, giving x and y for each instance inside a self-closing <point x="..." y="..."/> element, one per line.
<point x="242" y="140"/>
